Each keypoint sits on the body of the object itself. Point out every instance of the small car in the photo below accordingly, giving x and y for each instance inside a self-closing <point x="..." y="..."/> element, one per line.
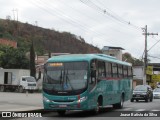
<point x="142" y="92"/>
<point x="156" y="93"/>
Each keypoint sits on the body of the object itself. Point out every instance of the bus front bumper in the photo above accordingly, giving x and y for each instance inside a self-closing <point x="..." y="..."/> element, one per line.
<point x="75" y="105"/>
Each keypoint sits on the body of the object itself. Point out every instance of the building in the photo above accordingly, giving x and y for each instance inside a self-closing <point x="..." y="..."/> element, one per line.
<point x="40" y="60"/>
<point x="137" y="75"/>
<point x="8" y="42"/>
<point x="113" y="51"/>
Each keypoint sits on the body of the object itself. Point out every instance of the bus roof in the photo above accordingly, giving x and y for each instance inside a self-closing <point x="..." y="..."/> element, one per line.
<point x="86" y="57"/>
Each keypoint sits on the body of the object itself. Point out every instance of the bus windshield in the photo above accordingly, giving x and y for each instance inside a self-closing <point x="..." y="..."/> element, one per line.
<point x="65" y="78"/>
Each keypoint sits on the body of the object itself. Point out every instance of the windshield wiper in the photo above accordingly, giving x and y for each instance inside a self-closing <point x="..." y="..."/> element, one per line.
<point x="68" y="80"/>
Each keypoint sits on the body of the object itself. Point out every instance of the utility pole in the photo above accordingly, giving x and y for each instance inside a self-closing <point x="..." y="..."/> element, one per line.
<point x="146" y="52"/>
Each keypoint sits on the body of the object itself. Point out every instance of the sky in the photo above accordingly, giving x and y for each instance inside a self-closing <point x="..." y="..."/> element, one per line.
<point x="118" y="23"/>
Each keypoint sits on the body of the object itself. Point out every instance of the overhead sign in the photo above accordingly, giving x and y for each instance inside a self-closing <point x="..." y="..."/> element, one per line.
<point x="149" y="70"/>
<point x="156" y="78"/>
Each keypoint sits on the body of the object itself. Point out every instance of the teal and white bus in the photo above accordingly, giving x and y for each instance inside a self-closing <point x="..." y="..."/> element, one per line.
<point x="85" y="82"/>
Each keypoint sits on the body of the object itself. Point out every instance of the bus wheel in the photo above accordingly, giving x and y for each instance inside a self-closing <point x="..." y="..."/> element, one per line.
<point x="97" y="108"/>
<point x="120" y="104"/>
<point x="61" y="113"/>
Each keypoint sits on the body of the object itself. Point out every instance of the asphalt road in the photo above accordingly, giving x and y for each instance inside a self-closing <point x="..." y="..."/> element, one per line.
<point x="10" y="101"/>
<point x="109" y="113"/>
<point x="30" y="102"/>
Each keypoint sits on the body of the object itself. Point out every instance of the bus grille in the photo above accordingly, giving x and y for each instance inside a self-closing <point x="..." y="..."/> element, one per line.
<point x="29" y="84"/>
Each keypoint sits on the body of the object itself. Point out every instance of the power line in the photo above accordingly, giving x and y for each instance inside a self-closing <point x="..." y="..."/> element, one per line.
<point x="154" y="57"/>
<point x="68" y="20"/>
<point x="116" y="17"/>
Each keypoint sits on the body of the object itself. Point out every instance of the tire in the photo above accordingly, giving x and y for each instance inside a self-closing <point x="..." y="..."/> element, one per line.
<point x="120" y="104"/>
<point x="146" y="100"/>
<point x="131" y="100"/>
<point x="137" y="100"/>
<point x="97" y="109"/>
<point x="2" y="89"/>
<point x="20" y="89"/>
<point x="61" y="113"/>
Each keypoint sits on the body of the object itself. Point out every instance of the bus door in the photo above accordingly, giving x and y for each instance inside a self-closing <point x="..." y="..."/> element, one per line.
<point x="92" y="84"/>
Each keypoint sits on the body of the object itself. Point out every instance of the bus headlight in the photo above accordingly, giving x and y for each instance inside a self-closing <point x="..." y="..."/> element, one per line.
<point x="46" y="99"/>
<point x="82" y="99"/>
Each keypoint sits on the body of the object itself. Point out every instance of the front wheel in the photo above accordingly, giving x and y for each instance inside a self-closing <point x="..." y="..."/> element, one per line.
<point x="21" y="89"/>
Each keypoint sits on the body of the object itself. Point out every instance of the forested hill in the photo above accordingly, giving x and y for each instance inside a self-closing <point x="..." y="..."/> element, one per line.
<point x="45" y="40"/>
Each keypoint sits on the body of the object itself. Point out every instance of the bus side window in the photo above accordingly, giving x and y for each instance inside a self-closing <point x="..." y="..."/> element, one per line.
<point x="115" y="70"/>
<point x="120" y="71"/>
<point x="101" y="69"/>
<point x="108" y="69"/>
<point x="125" y="71"/>
<point x="129" y="72"/>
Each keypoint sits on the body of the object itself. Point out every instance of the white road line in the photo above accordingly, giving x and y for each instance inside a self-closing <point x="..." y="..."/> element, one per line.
<point x="140" y="110"/>
<point x="155" y="110"/>
<point x="126" y="109"/>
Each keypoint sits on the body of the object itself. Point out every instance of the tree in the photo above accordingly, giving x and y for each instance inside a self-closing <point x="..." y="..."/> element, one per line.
<point x="32" y="61"/>
<point x="128" y="58"/>
<point x="12" y="58"/>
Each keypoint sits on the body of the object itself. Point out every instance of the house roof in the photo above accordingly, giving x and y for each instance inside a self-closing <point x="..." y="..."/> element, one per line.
<point x="111" y="47"/>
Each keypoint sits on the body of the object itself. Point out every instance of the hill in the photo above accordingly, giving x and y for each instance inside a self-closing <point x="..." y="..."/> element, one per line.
<point x="45" y="40"/>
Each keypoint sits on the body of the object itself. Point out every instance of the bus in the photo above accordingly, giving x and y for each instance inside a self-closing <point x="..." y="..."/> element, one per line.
<point x="86" y="82"/>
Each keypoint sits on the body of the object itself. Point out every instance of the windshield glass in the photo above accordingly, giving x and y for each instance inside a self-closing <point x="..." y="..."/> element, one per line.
<point x="65" y="77"/>
<point x="30" y="79"/>
<point x="140" y="88"/>
<point x="157" y="90"/>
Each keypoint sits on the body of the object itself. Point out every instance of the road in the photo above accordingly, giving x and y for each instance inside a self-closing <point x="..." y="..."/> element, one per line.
<point x="29" y="102"/>
<point x="135" y="107"/>
<point x="10" y="101"/>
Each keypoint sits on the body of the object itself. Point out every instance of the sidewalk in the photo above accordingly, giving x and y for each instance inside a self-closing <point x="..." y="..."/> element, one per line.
<point x="10" y="101"/>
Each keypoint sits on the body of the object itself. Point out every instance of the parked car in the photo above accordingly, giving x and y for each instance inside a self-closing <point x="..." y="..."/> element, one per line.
<point x="142" y="92"/>
<point x="156" y="93"/>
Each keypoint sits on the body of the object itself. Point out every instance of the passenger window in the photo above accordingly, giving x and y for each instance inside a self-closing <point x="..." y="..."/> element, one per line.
<point x="108" y="69"/>
<point x="125" y="71"/>
<point x="120" y="71"/>
<point x="101" y="69"/>
<point x="114" y="70"/>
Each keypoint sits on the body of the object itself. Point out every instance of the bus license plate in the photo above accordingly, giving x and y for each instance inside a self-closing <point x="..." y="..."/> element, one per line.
<point x="62" y="106"/>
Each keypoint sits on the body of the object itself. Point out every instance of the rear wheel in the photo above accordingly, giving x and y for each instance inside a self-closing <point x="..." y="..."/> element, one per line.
<point x="120" y="104"/>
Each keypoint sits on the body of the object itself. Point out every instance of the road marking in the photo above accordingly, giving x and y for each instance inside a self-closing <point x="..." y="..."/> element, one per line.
<point x="155" y="110"/>
<point x="140" y="110"/>
<point x="126" y="109"/>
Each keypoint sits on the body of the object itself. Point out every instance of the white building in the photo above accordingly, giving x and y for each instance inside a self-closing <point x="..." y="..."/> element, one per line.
<point x="113" y="51"/>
